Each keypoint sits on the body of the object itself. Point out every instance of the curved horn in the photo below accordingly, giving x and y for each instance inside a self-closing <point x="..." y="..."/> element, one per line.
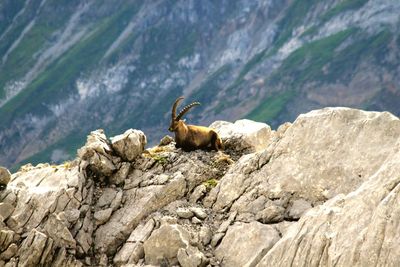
<point x="186" y="109"/>
<point x="174" y="107"/>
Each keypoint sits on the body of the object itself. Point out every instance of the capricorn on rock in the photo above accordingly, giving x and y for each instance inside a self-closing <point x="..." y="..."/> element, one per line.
<point x="192" y="137"/>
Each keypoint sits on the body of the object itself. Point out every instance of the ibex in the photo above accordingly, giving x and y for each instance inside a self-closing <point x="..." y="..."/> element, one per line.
<point x="192" y="137"/>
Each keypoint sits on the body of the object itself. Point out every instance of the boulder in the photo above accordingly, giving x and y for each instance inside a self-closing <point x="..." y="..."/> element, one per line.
<point x="96" y="154"/>
<point x="164" y="243"/>
<point x="129" y="145"/>
<point x="5" y="176"/>
<point x="244" y="135"/>
<point x="358" y="229"/>
<point x="246" y="243"/>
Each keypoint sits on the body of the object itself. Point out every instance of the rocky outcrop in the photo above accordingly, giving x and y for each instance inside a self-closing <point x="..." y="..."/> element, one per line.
<point x="323" y="191"/>
<point x="5" y="176"/>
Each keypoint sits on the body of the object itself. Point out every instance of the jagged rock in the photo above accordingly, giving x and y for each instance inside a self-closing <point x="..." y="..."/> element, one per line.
<point x="246" y="243"/>
<point x="6" y="238"/>
<point x="107" y="197"/>
<point x="5" y="176"/>
<point x="140" y="202"/>
<point x="35" y="249"/>
<point x="10" y="252"/>
<point x="72" y="215"/>
<point x="119" y="177"/>
<point x="191" y="257"/>
<point x="332" y="175"/>
<point x="298" y="208"/>
<point x="198" y="193"/>
<point x="323" y="153"/>
<point x="6" y="210"/>
<point x="96" y="154"/>
<point x="59" y="233"/>
<point x="164" y="244"/>
<point x="360" y="228"/>
<point x="116" y="202"/>
<point x="245" y="135"/>
<point x="205" y="235"/>
<point x="133" y="249"/>
<point x="130" y="144"/>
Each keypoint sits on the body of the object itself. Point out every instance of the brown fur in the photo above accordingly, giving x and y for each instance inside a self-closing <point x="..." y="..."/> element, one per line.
<point x="192" y="137"/>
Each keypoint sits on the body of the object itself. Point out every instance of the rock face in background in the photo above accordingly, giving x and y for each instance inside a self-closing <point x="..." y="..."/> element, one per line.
<point x="323" y="191"/>
<point x="69" y="67"/>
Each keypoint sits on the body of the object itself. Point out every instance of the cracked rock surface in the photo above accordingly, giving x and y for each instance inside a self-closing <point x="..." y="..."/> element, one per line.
<point x="321" y="191"/>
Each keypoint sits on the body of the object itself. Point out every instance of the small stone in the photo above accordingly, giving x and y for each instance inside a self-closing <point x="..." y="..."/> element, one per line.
<point x="271" y="214"/>
<point x="72" y="215"/>
<point x="196" y="220"/>
<point x="205" y="235"/>
<point x="102" y="216"/>
<point x="184" y="213"/>
<point x="103" y="260"/>
<point x="198" y="193"/>
<point x="199" y="213"/>
<point x="166" y="140"/>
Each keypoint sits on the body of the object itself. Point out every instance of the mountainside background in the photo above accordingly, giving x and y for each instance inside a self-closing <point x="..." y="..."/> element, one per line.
<point x="68" y="67"/>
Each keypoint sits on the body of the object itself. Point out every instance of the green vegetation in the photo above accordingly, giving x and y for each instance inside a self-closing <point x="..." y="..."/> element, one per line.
<point x="345" y="61"/>
<point x="208" y="89"/>
<point x="167" y="41"/>
<point x="271" y="107"/>
<point x="344" y="5"/>
<point x="306" y="63"/>
<point x="58" y="79"/>
<point x="293" y="18"/>
<point x="10" y="10"/>
<point x="160" y="159"/>
<point x="210" y="183"/>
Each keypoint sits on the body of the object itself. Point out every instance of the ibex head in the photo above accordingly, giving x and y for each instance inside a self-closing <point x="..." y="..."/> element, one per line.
<point x="176" y="120"/>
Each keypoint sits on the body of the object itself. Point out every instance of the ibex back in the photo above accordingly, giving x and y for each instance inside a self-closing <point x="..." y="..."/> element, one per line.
<point x="192" y="137"/>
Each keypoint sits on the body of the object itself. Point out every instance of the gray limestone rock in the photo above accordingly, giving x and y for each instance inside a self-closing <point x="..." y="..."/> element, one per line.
<point x="6" y="210"/>
<point x="185" y="213"/>
<point x="164" y="244"/>
<point x="129" y="145"/>
<point x="102" y="216"/>
<point x="246" y="243"/>
<point x="298" y="208"/>
<point x="191" y="257"/>
<point x="133" y="250"/>
<point x="5" y="176"/>
<point x="96" y="154"/>
<point x="244" y="135"/>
